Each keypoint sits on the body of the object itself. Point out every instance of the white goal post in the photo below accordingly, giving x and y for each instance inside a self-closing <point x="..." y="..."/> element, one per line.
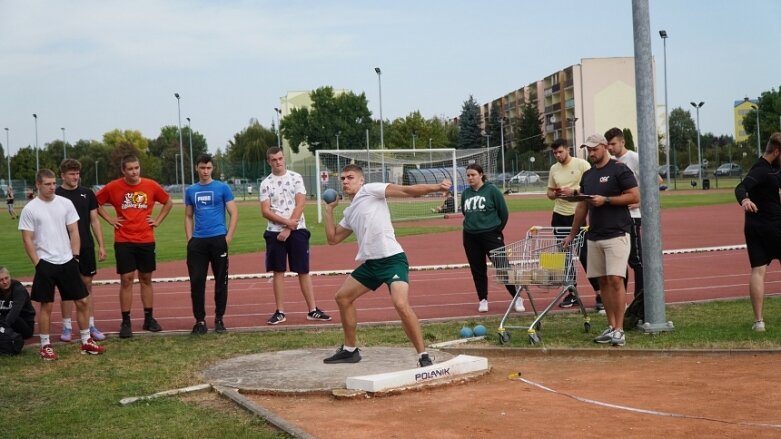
<point x="407" y="167"/>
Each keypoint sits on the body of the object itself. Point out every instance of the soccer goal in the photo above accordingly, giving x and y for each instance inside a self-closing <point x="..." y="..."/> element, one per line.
<point x="405" y="166"/>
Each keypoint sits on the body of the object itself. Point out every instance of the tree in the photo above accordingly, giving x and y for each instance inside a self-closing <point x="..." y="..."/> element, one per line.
<point x="246" y="153"/>
<point x="683" y="133"/>
<point x="469" y="135"/>
<point x="629" y="140"/>
<point x="769" y="113"/>
<point x="494" y="125"/>
<point x="528" y="130"/>
<point x="166" y="147"/>
<point x="317" y="126"/>
<point x="398" y="135"/>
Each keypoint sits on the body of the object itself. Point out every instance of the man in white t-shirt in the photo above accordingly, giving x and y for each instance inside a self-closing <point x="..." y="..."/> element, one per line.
<point x="50" y="232"/>
<point x="616" y="145"/>
<point x="282" y="199"/>
<point x="383" y="261"/>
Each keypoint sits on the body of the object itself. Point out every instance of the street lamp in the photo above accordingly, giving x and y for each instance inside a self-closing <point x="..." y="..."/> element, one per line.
<point x="37" y="162"/>
<point x="501" y="132"/>
<point x="668" y="173"/>
<point x="181" y="144"/>
<point x="176" y="169"/>
<point x="279" y="130"/>
<point x="413" y="143"/>
<point x="382" y="131"/>
<point x="96" y="172"/>
<point x="192" y="161"/>
<point x="64" y="151"/>
<point x="699" y="151"/>
<point x="8" y="155"/>
<point x="338" y="165"/>
<point x="488" y="149"/>
<point x="756" y="107"/>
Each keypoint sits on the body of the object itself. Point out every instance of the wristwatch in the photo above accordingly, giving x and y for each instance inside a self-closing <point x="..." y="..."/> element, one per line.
<point x="607" y="200"/>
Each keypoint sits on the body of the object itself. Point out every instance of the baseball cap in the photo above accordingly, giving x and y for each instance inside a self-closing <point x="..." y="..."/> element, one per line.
<point x="594" y="140"/>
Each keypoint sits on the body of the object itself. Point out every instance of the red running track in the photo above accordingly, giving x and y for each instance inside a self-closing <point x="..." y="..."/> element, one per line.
<point x="444" y="294"/>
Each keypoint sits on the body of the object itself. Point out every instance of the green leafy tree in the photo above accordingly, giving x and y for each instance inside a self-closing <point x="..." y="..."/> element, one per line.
<point x="494" y="126"/>
<point x="469" y="134"/>
<point x="527" y="130"/>
<point x="317" y="126"/>
<point x="166" y="148"/>
<point x="683" y="133"/>
<point x="629" y="140"/>
<point x="246" y="153"/>
<point x="23" y="165"/>
<point x="769" y="114"/>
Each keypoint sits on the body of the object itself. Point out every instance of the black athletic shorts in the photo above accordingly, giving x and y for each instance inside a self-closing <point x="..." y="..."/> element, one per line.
<point x="763" y="242"/>
<point x="87" y="263"/>
<point x="131" y="257"/>
<point x="65" y="277"/>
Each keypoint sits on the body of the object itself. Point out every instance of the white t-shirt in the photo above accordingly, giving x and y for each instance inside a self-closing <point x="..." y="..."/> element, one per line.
<point x="48" y="220"/>
<point x="369" y="218"/>
<point x="281" y="192"/>
<point x="632" y="160"/>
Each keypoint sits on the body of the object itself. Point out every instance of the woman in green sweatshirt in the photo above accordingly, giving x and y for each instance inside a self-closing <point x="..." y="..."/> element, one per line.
<point x="485" y="215"/>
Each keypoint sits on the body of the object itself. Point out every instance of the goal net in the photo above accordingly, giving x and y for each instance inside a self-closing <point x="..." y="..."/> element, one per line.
<point x="405" y="167"/>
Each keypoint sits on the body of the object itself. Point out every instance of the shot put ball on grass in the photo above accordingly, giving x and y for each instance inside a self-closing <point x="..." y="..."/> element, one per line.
<point x="466" y="332"/>
<point x="329" y="196"/>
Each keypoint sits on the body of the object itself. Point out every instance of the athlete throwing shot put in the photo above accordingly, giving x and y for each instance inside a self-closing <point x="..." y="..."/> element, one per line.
<point x="383" y="261"/>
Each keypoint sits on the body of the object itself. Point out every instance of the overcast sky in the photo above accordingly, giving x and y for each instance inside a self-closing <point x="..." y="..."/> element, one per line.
<point x="93" y="66"/>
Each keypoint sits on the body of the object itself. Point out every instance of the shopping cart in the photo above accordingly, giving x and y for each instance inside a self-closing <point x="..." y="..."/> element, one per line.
<point x="538" y="260"/>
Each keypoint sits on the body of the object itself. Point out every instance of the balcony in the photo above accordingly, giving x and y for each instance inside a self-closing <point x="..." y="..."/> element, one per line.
<point x="569" y="103"/>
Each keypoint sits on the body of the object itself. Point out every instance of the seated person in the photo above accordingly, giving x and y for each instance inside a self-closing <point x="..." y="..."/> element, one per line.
<point x="448" y="206"/>
<point x="16" y="309"/>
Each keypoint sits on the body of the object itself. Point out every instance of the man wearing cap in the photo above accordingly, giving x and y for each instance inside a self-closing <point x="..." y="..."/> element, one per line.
<point x="612" y="187"/>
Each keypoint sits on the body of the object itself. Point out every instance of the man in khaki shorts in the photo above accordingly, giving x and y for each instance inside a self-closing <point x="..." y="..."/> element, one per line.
<point x="612" y="187"/>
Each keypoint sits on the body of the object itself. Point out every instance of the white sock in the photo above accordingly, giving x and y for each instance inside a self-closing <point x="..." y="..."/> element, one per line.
<point x="349" y="348"/>
<point x="84" y="336"/>
<point x="44" y="339"/>
<point x="420" y="355"/>
<point x="67" y="323"/>
<point x="92" y="322"/>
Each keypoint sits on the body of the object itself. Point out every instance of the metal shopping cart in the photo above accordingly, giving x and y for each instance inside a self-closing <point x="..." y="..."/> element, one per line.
<point x="538" y="260"/>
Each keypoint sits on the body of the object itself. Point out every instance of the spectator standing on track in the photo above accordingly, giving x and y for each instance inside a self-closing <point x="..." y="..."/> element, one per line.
<point x="612" y="187"/>
<point x="758" y="195"/>
<point x="485" y="216"/>
<point x="134" y="200"/>
<point x="282" y="200"/>
<point x="207" y="241"/>
<point x="383" y="261"/>
<point x="86" y="206"/>
<point x="563" y="181"/>
<point x="50" y="232"/>
<point x="9" y="201"/>
<point x="16" y="309"/>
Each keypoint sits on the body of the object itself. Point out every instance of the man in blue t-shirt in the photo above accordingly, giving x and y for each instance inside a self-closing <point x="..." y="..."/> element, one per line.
<point x="207" y="241"/>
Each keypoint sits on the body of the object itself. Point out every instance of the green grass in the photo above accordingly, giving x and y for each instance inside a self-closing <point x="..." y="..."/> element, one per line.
<point x="78" y="396"/>
<point x="249" y="233"/>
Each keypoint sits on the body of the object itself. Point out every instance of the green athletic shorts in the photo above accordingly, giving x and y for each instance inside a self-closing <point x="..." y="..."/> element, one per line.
<point x="376" y="272"/>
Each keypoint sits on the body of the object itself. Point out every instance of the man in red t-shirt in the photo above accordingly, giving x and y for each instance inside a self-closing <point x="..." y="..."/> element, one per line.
<point x="134" y="199"/>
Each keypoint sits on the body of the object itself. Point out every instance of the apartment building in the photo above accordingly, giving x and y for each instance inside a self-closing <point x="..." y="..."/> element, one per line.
<point x="740" y="109"/>
<point x="579" y="100"/>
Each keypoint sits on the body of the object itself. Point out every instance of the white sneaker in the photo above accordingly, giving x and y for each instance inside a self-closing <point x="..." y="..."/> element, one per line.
<point x="758" y="326"/>
<point x="483" y="307"/>
<point x="519" y="305"/>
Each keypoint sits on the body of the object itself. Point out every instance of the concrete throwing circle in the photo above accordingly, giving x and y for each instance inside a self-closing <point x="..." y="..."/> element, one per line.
<point x="303" y="370"/>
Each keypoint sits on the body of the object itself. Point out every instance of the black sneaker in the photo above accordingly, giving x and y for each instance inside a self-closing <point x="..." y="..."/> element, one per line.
<point x="425" y="360"/>
<point x="200" y="328"/>
<point x="126" y="330"/>
<point x="318" y="314"/>
<point x="276" y="318"/>
<point x="219" y="326"/>
<point x="151" y="325"/>
<point x="599" y="305"/>
<point x="569" y="301"/>
<point x="342" y="356"/>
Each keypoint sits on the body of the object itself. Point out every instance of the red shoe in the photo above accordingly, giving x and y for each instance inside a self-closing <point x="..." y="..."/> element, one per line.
<point x="47" y="353"/>
<point x="92" y="348"/>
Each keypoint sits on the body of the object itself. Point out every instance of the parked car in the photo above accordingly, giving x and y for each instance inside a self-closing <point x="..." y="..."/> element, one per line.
<point x="501" y="178"/>
<point x="174" y="188"/>
<point x="694" y="171"/>
<point x="97" y="187"/>
<point x="525" y="177"/>
<point x="728" y="169"/>
<point x="663" y="171"/>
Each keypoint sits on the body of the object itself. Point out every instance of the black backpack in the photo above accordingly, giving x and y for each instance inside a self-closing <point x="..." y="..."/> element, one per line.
<point x="11" y="342"/>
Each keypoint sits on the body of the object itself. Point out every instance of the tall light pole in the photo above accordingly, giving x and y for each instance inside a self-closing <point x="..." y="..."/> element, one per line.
<point x="96" y="172"/>
<point x="37" y="162"/>
<point x="338" y="164"/>
<point x="488" y="149"/>
<point x="176" y="169"/>
<point x="8" y="155"/>
<point x="382" y="131"/>
<point x="192" y="160"/>
<point x="759" y="141"/>
<point x="571" y="120"/>
<point x="668" y="176"/>
<point x="501" y="132"/>
<point x="413" y="143"/>
<point x="181" y="144"/>
<point x="279" y="129"/>
<point x="64" y="151"/>
<point x="699" y="150"/>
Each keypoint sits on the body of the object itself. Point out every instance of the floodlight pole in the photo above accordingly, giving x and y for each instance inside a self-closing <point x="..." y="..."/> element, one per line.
<point x="181" y="144"/>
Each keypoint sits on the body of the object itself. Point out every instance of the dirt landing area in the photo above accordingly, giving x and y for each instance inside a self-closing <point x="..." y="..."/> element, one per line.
<point x="707" y="395"/>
